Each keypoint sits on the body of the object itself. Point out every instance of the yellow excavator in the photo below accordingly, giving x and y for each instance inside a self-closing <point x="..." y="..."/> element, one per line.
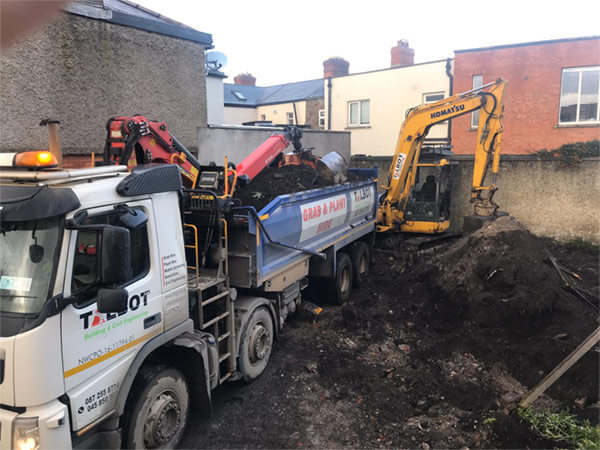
<point x="416" y="198"/>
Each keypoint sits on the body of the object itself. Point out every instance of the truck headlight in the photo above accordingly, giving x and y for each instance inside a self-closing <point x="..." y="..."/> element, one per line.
<point x="26" y="433"/>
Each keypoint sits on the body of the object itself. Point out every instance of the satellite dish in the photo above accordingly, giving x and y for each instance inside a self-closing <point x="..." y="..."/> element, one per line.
<point x="215" y="60"/>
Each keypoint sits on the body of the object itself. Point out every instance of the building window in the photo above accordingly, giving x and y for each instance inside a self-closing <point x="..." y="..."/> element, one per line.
<point x="290" y="118"/>
<point x="358" y="113"/>
<point x="239" y="96"/>
<point x="321" y="118"/>
<point x="579" y="92"/>
<point x="263" y="117"/>
<point x="433" y="97"/>
<point x="477" y="83"/>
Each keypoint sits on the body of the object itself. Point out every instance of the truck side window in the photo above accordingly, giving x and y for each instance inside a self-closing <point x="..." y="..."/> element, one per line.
<point x="85" y="280"/>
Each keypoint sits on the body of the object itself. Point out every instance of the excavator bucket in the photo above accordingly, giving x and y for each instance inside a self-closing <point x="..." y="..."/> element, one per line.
<point x="473" y="222"/>
<point x="333" y="167"/>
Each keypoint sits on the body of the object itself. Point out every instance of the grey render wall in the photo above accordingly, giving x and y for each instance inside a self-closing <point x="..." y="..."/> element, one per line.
<point x="83" y="71"/>
<point x="552" y="201"/>
<point x="236" y="143"/>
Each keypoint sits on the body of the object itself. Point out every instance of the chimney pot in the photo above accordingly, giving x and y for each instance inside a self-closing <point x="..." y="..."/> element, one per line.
<point x="246" y="79"/>
<point x="335" y="67"/>
<point x="402" y="54"/>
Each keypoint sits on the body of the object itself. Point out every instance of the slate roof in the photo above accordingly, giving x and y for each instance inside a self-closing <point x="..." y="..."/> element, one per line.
<point x="124" y="12"/>
<point x="269" y="95"/>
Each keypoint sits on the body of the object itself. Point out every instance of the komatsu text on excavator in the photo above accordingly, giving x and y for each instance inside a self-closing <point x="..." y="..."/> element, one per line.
<point x="401" y="207"/>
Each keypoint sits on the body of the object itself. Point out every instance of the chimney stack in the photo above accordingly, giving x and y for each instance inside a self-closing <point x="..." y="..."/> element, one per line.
<point x="246" y="79"/>
<point x="335" y="67"/>
<point x="402" y="54"/>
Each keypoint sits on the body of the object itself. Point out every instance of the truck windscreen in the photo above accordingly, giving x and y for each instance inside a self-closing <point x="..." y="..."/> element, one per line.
<point x="28" y="260"/>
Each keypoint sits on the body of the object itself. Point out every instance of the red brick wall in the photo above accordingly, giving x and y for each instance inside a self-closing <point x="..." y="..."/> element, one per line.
<point x="532" y="97"/>
<point x="79" y="161"/>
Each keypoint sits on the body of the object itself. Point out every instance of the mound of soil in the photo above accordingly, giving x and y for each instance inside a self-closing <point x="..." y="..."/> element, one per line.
<point x="434" y="352"/>
<point x="498" y="276"/>
<point x="274" y="181"/>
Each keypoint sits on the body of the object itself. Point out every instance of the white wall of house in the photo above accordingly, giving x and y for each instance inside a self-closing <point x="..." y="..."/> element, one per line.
<point x="238" y="116"/>
<point x="214" y="100"/>
<point x="280" y="112"/>
<point x="390" y="92"/>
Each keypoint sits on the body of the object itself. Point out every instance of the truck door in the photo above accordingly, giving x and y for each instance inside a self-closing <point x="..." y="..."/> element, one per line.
<point x="99" y="348"/>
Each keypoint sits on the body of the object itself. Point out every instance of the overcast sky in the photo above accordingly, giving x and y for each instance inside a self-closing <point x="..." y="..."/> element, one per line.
<point x="284" y="41"/>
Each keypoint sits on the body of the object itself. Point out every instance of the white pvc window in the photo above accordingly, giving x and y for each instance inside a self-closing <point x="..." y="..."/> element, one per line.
<point x="477" y="83"/>
<point x="290" y="118"/>
<point x="359" y="113"/>
<point x="579" y="94"/>
<point x="433" y="97"/>
<point x="321" y="118"/>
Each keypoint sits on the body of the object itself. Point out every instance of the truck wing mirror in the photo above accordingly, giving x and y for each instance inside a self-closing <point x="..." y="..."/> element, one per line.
<point x="116" y="255"/>
<point x="112" y="300"/>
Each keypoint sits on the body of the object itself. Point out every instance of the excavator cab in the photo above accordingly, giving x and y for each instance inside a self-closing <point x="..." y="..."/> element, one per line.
<point x="429" y="200"/>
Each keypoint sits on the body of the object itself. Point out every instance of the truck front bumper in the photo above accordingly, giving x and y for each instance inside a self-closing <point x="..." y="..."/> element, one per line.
<point x="52" y="426"/>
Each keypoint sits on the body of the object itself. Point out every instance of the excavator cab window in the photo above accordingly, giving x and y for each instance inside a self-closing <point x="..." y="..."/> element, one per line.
<point x="430" y="197"/>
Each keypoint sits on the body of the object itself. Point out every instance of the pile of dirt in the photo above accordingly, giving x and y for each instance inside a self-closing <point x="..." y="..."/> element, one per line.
<point x="434" y="352"/>
<point x="499" y="276"/>
<point x="495" y="296"/>
<point x="274" y="181"/>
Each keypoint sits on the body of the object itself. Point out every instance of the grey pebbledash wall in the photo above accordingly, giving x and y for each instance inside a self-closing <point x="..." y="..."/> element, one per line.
<point x="83" y="71"/>
<point x="552" y="201"/>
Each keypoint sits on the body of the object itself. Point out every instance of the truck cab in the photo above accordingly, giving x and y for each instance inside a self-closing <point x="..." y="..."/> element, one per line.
<point x="88" y="277"/>
<point x="120" y="308"/>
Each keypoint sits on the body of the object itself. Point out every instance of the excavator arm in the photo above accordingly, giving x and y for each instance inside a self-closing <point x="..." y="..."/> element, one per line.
<point x="401" y="177"/>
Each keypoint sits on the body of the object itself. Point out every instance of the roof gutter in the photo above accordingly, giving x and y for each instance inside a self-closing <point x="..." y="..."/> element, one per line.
<point x="128" y="20"/>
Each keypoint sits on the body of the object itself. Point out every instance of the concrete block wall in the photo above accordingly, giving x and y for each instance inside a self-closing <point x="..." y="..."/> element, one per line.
<point x="237" y="142"/>
<point x="552" y="201"/>
<point x="83" y="71"/>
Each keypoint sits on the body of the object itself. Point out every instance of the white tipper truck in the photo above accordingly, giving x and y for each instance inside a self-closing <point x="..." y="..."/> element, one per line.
<point x="126" y="299"/>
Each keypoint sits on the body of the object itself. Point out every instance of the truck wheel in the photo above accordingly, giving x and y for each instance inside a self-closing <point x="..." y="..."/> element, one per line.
<point x="159" y="409"/>
<point x="256" y="344"/>
<point x="361" y="260"/>
<point x="342" y="282"/>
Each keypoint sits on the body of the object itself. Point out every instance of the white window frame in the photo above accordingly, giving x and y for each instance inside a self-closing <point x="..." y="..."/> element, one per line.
<point x="477" y="83"/>
<point x="359" y="123"/>
<point x="321" y="118"/>
<point x="580" y="70"/>
<point x="426" y="101"/>
<point x="290" y="118"/>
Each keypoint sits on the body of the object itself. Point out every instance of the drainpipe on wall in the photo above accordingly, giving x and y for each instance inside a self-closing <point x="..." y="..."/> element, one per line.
<point x="329" y="103"/>
<point x="450" y="93"/>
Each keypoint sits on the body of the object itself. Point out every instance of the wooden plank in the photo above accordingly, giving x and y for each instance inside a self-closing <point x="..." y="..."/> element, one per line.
<point x="561" y="368"/>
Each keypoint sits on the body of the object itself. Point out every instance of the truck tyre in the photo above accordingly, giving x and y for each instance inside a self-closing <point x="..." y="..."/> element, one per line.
<point x="361" y="260"/>
<point x="159" y="409"/>
<point x="256" y="343"/>
<point x="342" y="283"/>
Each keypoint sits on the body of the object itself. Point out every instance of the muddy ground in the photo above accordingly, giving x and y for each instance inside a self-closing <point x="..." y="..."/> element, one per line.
<point x="434" y="352"/>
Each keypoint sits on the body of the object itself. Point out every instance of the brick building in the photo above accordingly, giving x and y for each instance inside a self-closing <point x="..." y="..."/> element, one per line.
<point x="552" y="95"/>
